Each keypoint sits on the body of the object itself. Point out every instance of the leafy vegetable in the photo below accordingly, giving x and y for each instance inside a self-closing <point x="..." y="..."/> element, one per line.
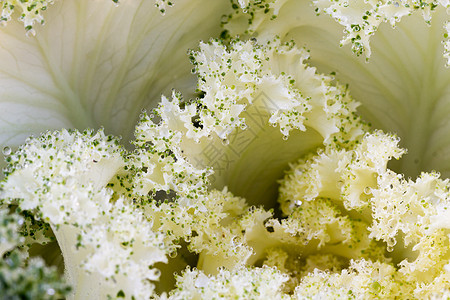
<point x="263" y="182"/>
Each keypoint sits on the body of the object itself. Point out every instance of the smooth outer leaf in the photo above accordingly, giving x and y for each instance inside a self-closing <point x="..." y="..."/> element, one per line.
<point x="94" y="64"/>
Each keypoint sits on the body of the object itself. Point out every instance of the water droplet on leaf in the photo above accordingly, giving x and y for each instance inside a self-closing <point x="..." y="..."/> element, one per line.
<point x="6" y="151"/>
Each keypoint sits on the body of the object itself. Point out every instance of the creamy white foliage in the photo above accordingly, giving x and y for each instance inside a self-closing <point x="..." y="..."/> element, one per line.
<point x="362" y="280"/>
<point x="161" y="163"/>
<point x="403" y="88"/>
<point x="276" y="76"/>
<point x="419" y="210"/>
<point x="392" y="209"/>
<point x="351" y="227"/>
<point x="242" y="283"/>
<point x="29" y="12"/>
<point x="125" y="249"/>
<point x="249" y="90"/>
<point x="62" y="177"/>
<point x="340" y="174"/>
<point x="361" y="19"/>
<point x="95" y="63"/>
<point x="272" y="79"/>
<point x="232" y="79"/>
<point x="218" y="235"/>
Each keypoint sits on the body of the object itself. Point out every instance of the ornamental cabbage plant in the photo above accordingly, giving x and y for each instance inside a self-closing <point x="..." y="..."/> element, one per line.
<point x="250" y="149"/>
